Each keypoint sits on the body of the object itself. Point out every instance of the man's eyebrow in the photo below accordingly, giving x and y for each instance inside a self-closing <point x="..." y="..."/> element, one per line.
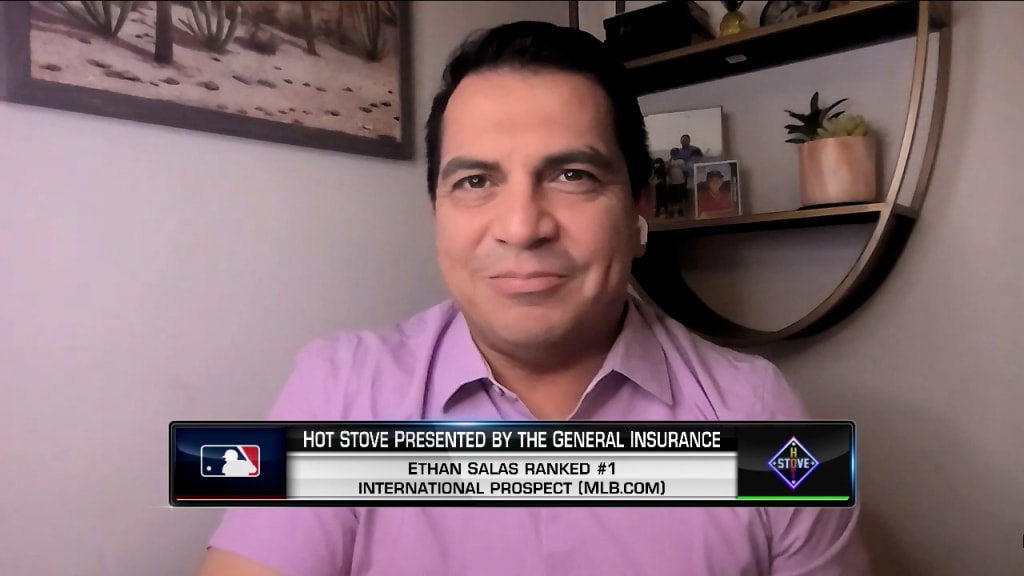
<point x="460" y="163"/>
<point x="589" y="156"/>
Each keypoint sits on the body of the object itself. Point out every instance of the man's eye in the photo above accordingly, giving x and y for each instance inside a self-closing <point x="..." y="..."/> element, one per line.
<point x="475" y="181"/>
<point x="574" y="175"/>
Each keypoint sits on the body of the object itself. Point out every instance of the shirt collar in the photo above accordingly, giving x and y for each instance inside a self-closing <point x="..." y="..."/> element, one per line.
<point x="636" y="354"/>
<point x="457" y="367"/>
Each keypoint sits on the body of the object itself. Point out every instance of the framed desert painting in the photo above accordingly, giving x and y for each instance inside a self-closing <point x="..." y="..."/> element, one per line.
<point x="329" y="75"/>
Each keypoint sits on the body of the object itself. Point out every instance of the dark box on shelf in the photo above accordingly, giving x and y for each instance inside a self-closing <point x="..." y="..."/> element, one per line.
<point x="655" y="29"/>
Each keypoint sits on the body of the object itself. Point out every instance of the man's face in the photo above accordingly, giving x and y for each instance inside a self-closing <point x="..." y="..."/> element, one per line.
<point x="715" y="183"/>
<point x="684" y="141"/>
<point x="536" y="225"/>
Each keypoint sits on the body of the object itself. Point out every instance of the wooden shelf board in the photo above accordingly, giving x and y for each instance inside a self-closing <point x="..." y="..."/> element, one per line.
<point x="831" y="216"/>
<point x="658" y="274"/>
<point x="854" y="25"/>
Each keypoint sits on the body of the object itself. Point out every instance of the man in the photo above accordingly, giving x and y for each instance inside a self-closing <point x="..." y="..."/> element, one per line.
<point x="659" y="181"/>
<point x="689" y="155"/>
<point x="688" y="152"/>
<point x="539" y="172"/>
<point x="714" y="195"/>
<point x="676" y="183"/>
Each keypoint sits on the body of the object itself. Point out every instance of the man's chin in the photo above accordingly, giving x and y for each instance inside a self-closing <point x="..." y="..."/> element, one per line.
<point x="532" y="333"/>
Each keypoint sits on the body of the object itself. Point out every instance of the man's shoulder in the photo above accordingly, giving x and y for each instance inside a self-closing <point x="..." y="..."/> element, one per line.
<point x="730" y="384"/>
<point x="417" y="333"/>
<point x="351" y="374"/>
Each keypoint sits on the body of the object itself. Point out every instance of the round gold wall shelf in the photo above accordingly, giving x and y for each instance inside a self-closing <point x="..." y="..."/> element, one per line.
<point x="657" y="276"/>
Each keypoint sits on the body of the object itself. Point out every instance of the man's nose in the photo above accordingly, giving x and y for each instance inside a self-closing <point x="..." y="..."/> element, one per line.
<point x="523" y="217"/>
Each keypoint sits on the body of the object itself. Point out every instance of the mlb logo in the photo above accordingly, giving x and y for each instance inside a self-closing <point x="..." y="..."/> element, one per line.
<point x="229" y="461"/>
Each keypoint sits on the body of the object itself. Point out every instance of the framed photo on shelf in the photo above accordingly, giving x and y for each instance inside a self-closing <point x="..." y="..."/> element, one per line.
<point x="677" y="141"/>
<point x="717" y="189"/>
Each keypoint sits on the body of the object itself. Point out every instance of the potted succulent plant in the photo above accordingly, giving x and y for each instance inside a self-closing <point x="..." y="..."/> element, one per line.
<point x="837" y="155"/>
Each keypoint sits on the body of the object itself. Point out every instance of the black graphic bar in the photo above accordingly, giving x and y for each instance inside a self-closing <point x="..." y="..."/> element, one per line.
<point x="778" y="463"/>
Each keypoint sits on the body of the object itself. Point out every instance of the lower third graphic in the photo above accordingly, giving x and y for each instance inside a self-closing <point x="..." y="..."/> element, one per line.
<point x="793" y="463"/>
<point x="231" y="461"/>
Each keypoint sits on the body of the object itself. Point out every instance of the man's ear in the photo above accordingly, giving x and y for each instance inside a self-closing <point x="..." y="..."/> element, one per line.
<point x="645" y="210"/>
<point x="645" y="202"/>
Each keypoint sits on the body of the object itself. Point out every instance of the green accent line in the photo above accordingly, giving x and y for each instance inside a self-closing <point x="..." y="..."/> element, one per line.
<point x="806" y="498"/>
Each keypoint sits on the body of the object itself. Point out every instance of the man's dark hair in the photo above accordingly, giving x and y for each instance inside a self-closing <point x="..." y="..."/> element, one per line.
<point x="546" y="46"/>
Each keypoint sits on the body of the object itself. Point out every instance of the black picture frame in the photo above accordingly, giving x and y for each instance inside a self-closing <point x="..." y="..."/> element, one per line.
<point x="17" y="85"/>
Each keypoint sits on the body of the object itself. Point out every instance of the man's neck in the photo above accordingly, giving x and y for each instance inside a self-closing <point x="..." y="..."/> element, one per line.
<point x="550" y="383"/>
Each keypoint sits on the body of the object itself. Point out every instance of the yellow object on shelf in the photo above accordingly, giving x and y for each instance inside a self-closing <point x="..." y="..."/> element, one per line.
<point x="732" y="23"/>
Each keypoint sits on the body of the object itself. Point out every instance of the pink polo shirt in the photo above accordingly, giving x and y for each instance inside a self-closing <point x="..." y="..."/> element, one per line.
<point x="427" y="368"/>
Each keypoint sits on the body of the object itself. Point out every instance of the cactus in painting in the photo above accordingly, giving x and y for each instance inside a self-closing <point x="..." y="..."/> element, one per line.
<point x="308" y="28"/>
<point x="163" y="48"/>
<point x="390" y="11"/>
<point x="214" y="24"/>
<point x="367" y="31"/>
<point x="100" y="15"/>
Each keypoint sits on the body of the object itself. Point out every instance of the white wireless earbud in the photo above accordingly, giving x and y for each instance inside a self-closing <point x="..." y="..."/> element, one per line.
<point x="642" y="223"/>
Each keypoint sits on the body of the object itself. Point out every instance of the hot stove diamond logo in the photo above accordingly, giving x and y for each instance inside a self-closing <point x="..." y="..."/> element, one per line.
<point x="793" y="463"/>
